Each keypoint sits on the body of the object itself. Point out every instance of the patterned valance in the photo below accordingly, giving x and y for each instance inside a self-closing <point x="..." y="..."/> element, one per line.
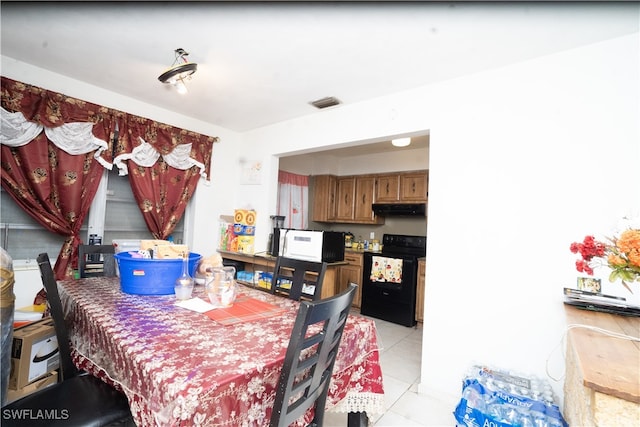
<point x="78" y="127"/>
<point x="72" y="138"/>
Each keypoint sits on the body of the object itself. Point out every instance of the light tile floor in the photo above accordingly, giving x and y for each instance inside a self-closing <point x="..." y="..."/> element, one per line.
<point x="400" y="359"/>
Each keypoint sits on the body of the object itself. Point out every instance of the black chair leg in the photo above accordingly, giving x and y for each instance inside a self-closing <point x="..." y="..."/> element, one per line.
<point x="357" y="419"/>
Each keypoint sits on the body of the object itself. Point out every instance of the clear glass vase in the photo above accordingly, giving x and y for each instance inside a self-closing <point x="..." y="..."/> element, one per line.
<point x="184" y="283"/>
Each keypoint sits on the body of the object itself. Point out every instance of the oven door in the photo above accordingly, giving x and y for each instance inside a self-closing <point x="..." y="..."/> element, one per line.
<point x="389" y="287"/>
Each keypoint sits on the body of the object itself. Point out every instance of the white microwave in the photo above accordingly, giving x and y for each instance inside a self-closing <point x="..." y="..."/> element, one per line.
<point x="315" y="246"/>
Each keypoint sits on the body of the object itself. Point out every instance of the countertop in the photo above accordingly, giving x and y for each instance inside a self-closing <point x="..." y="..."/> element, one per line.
<point x="609" y="365"/>
<point x="263" y="256"/>
<point x="270" y="258"/>
<point x="361" y="251"/>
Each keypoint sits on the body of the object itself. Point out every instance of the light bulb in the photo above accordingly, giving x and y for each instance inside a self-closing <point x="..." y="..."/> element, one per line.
<point x="181" y="87"/>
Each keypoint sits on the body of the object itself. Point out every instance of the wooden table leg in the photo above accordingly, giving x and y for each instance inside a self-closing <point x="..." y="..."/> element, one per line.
<point x="357" y="419"/>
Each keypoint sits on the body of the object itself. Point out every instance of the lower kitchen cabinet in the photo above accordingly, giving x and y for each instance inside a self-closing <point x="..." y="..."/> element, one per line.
<point x="351" y="273"/>
<point x="422" y="268"/>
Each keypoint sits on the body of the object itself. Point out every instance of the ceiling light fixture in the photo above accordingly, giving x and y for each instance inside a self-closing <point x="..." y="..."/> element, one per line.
<point x="181" y="70"/>
<point x="401" y="142"/>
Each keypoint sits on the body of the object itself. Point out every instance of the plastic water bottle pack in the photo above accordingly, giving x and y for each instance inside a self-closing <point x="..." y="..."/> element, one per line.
<point x="496" y="398"/>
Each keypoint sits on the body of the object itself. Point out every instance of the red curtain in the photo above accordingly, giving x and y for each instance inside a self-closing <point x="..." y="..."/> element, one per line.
<point x="54" y="187"/>
<point x="164" y="165"/>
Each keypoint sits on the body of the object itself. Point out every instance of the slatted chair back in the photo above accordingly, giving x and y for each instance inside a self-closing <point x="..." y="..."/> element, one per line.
<point x="96" y="261"/>
<point x="298" y="278"/>
<point x="67" y="367"/>
<point x="311" y="355"/>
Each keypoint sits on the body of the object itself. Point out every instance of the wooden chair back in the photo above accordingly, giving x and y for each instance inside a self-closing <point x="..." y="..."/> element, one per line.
<point x="298" y="278"/>
<point x="96" y="261"/>
<point x="67" y="367"/>
<point x="85" y="400"/>
<point x="311" y="355"/>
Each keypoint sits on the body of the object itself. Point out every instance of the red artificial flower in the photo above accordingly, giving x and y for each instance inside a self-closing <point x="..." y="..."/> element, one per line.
<point x="621" y="255"/>
<point x="589" y="248"/>
<point x="583" y="267"/>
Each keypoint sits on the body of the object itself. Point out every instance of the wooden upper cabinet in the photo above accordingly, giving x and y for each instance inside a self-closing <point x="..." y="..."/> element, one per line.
<point x="346" y="189"/>
<point x="348" y="199"/>
<point x="365" y="186"/>
<point x="402" y="187"/>
<point x="414" y="187"/>
<point x="387" y="188"/>
<point x="354" y="199"/>
<point x="324" y="198"/>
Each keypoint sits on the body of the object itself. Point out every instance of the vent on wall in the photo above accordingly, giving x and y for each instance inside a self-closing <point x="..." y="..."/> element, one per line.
<point x="329" y="101"/>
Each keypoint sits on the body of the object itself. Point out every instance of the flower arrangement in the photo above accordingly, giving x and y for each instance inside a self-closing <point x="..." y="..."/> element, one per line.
<point x="621" y="254"/>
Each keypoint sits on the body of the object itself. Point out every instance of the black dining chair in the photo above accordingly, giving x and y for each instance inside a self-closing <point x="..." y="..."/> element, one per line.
<point x="304" y="278"/>
<point x="96" y="261"/>
<point x="77" y="399"/>
<point x="311" y="354"/>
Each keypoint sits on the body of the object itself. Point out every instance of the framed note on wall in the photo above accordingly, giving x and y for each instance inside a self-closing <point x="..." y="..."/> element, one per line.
<point x="251" y="173"/>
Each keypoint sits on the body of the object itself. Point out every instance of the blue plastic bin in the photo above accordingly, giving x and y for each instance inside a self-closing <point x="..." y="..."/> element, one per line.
<point x="144" y="276"/>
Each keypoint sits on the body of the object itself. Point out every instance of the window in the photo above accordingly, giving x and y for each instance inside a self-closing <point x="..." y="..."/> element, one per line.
<point x="21" y="235"/>
<point x="114" y="214"/>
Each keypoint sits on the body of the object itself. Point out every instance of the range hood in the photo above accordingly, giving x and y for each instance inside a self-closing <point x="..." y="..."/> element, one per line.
<point x="400" y="209"/>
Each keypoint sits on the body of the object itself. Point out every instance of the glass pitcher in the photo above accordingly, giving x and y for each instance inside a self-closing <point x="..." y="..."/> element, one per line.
<point x="221" y="286"/>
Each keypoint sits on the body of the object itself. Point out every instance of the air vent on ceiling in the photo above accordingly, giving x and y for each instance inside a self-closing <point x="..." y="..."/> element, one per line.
<point x="329" y="101"/>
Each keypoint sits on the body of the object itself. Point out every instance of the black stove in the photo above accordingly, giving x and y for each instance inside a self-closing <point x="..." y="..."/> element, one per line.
<point x="390" y="279"/>
<point x="398" y="244"/>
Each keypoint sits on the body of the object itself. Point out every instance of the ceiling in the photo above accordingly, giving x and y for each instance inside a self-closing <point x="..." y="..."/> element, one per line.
<point x="262" y="63"/>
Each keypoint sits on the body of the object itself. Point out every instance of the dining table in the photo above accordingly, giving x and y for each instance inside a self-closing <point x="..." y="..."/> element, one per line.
<point x="198" y="366"/>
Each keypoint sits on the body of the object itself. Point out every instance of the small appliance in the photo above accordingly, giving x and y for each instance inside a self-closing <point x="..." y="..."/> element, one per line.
<point x="277" y="222"/>
<point x="315" y="246"/>
<point x="348" y="239"/>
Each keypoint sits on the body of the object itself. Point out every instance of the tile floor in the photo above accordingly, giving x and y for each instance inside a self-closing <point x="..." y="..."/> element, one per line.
<point x="400" y="358"/>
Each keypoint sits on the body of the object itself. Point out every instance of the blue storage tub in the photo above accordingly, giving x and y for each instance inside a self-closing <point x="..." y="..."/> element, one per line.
<point x="145" y="276"/>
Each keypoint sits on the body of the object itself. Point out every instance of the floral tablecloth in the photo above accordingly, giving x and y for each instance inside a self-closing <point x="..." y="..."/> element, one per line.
<point x="179" y="367"/>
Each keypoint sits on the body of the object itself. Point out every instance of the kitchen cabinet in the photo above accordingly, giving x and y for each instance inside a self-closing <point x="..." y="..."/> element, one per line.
<point x="353" y="200"/>
<point x="388" y="188"/>
<point x="414" y="187"/>
<point x="348" y="199"/>
<point x="355" y="195"/>
<point x="422" y="268"/>
<point x="365" y="187"/>
<point x="351" y="273"/>
<point x="409" y="187"/>
<point x="346" y="191"/>
<point x="324" y="198"/>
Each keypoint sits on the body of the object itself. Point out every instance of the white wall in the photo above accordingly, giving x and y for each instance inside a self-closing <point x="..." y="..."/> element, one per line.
<point x="390" y="161"/>
<point x="523" y="161"/>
